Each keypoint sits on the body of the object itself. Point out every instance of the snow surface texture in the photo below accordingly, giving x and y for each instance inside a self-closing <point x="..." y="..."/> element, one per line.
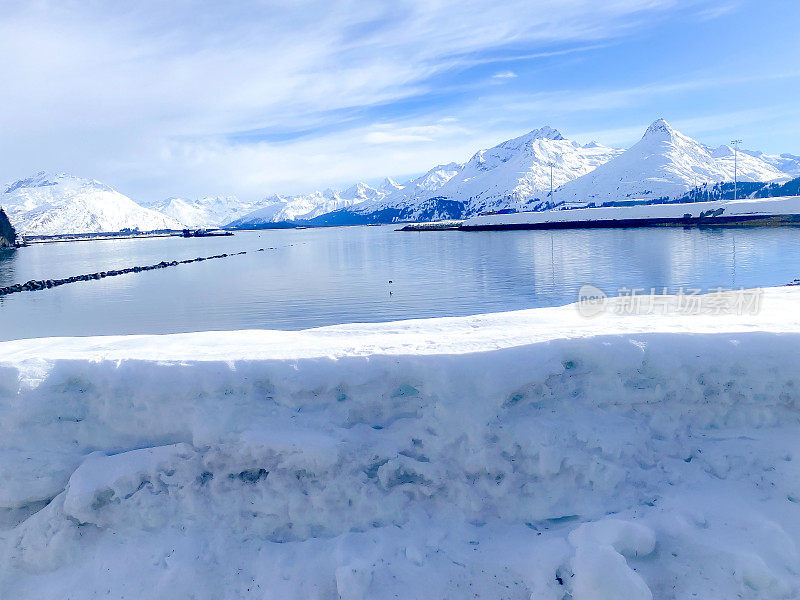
<point x="54" y="204"/>
<point x="534" y="454"/>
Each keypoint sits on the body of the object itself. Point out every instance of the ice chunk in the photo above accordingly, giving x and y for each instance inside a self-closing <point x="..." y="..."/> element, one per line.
<point x="626" y="537"/>
<point x="601" y="573"/>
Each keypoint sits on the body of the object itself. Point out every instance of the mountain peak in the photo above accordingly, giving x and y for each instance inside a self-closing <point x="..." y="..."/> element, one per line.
<point x="544" y="133"/>
<point x="45" y="179"/>
<point x="659" y="128"/>
<point x="389" y="184"/>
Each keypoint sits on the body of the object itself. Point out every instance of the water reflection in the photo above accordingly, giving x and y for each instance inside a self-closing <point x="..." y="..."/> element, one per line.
<point x="324" y="276"/>
<point x="7" y="264"/>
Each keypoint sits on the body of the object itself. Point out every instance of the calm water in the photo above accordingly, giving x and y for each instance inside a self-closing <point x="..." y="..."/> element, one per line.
<point x="320" y="277"/>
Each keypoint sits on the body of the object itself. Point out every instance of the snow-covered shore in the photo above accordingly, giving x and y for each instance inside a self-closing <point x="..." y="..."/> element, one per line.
<point x="534" y="454"/>
<point x="763" y="211"/>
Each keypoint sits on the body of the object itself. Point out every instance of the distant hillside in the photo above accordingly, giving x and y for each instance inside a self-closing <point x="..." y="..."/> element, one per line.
<point x="744" y="189"/>
<point x="7" y="234"/>
<point x="790" y="188"/>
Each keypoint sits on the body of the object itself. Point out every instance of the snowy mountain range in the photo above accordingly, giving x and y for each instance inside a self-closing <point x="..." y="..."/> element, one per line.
<point x="277" y="208"/>
<point x="514" y="175"/>
<point x="509" y="174"/>
<point x="502" y="177"/>
<point x="46" y="204"/>
<point x="207" y="212"/>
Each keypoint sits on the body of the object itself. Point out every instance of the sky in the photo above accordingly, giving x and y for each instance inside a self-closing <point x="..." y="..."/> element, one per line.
<point x="250" y="98"/>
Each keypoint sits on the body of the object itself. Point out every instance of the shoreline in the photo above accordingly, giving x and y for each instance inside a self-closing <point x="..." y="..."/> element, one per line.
<point x="106" y="236"/>
<point x="98" y="237"/>
<point x="424" y="336"/>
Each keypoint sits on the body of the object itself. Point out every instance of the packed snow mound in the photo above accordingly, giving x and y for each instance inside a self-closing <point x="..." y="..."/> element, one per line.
<point x="210" y="211"/>
<point x="657" y="461"/>
<point x="664" y="164"/>
<point x="46" y="204"/>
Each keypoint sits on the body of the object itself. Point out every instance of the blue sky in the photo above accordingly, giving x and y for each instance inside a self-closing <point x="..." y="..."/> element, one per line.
<point x="250" y="98"/>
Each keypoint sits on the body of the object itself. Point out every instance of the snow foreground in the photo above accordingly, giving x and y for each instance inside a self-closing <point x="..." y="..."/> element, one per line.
<point x="534" y="454"/>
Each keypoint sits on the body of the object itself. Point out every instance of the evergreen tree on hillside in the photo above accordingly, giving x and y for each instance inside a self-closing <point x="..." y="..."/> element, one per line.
<point x="790" y="188"/>
<point x="8" y="236"/>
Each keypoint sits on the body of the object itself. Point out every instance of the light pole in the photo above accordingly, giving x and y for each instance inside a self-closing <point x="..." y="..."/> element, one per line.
<point x="735" y="144"/>
<point x="551" y="165"/>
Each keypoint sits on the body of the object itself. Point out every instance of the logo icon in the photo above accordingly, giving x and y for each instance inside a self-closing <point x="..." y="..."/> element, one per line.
<point x="591" y="301"/>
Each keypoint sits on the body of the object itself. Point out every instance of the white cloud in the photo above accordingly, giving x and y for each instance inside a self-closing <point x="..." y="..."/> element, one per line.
<point x="715" y="12"/>
<point x="402" y="134"/>
<point x="147" y="96"/>
<point x="504" y="75"/>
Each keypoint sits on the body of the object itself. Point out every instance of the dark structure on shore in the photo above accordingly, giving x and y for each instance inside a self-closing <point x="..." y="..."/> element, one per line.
<point x="8" y="237"/>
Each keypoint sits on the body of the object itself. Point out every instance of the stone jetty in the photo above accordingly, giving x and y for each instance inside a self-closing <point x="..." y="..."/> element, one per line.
<point x="44" y="284"/>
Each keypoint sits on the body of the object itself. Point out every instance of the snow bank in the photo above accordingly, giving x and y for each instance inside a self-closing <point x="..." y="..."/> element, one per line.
<point x="535" y="454"/>
<point x="723" y="209"/>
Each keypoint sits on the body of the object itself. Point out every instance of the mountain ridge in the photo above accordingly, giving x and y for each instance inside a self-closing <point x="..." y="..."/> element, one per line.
<point x="515" y="175"/>
<point x="510" y="176"/>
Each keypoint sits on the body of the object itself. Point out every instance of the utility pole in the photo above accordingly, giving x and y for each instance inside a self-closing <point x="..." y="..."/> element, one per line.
<point x="735" y="144"/>
<point x="550" y="164"/>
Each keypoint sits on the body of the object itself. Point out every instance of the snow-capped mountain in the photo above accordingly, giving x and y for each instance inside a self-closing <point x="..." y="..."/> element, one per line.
<point x="211" y="211"/>
<point x="46" y="204"/>
<point x="511" y="173"/>
<point x="277" y="208"/>
<point x="664" y="163"/>
<point x="413" y="191"/>
<point x="358" y="200"/>
<point x="516" y="175"/>
<point x="505" y="176"/>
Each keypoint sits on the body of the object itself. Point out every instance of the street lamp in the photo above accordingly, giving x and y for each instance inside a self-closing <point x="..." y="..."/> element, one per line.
<point x="735" y="144"/>
<point x="551" y="165"/>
